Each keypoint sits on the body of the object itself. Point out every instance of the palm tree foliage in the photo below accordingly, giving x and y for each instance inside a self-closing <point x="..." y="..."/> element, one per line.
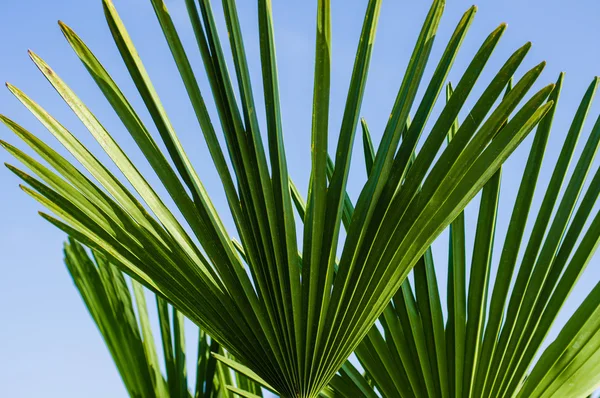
<point x="490" y="341"/>
<point x="109" y="299"/>
<point x="280" y="301"/>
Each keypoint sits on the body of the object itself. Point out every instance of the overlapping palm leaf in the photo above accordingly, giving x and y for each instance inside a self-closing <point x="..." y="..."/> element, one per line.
<point x="129" y="338"/>
<point x="489" y="344"/>
<point x="285" y="316"/>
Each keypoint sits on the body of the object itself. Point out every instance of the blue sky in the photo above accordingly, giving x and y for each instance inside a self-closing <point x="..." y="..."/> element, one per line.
<point x="48" y="344"/>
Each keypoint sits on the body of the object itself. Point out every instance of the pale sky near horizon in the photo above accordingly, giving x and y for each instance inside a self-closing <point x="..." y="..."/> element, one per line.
<point x="48" y="344"/>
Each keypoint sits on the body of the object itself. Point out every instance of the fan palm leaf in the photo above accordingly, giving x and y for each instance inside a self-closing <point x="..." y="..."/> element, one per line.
<point x="489" y="344"/>
<point x="291" y="320"/>
<point x="113" y="305"/>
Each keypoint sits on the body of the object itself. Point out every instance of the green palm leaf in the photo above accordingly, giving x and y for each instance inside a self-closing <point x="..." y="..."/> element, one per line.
<point x="415" y="355"/>
<point x="113" y="304"/>
<point x="291" y="319"/>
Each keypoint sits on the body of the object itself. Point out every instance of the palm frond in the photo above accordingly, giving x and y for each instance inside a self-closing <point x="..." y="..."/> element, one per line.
<point x="119" y="310"/>
<point x="283" y="315"/>
<point x="489" y="344"/>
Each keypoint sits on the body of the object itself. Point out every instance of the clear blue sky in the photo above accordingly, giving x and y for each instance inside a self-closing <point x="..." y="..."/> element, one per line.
<point x="48" y="344"/>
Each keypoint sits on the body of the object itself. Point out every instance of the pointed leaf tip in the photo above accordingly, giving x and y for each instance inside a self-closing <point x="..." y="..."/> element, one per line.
<point x="15" y="170"/>
<point x="11" y="88"/>
<point x="499" y="30"/>
<point x="539" y="67"/>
